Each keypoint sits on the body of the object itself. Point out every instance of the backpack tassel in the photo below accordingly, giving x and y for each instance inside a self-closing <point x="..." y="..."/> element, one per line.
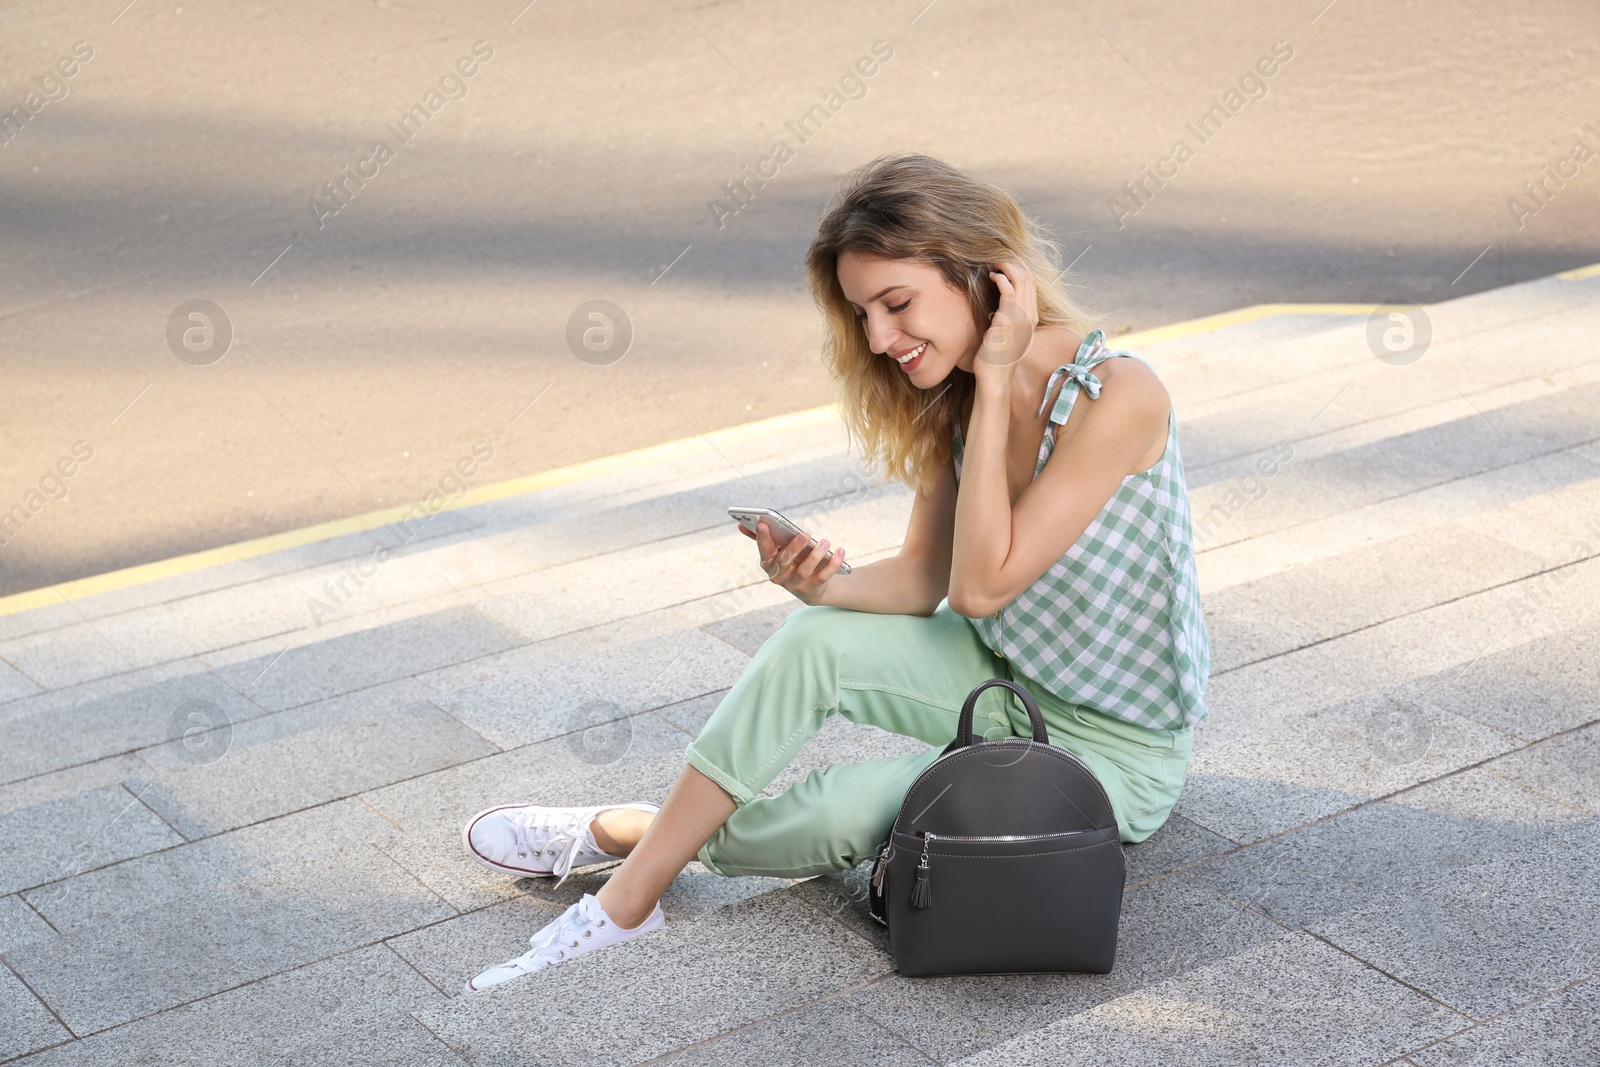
<point x="922" y="889"/>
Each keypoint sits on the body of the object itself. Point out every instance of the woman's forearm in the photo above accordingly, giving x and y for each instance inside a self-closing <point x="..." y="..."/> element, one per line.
<point x="893" y="586"/>
<point x="983" y="509"/>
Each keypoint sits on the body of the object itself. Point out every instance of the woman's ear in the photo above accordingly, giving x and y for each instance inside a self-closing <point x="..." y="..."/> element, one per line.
<point x="989" y="293"/>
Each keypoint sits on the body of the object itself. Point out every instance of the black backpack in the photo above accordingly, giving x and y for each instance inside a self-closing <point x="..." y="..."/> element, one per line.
<point x="1004" y="859"/>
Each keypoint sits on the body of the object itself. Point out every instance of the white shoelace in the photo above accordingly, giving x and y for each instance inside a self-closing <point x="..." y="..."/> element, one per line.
<point x="560" y="938"/>
<point x="561" y="832"/>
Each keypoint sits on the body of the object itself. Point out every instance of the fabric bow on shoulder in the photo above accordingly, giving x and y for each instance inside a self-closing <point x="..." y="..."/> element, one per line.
<point x="1078" y="373"/>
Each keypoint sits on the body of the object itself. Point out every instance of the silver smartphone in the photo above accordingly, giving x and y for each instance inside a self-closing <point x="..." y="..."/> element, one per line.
<point x="781" y="528"/>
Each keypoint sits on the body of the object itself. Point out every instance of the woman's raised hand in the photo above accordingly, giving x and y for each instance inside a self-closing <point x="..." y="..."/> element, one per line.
<point x="799" y="566"/>
<point x="1011" y="327"/>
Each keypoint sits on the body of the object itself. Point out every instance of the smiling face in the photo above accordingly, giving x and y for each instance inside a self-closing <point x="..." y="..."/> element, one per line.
<point x="908" y="310"/>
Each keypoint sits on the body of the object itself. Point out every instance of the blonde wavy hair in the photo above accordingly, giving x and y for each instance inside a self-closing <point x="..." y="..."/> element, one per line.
<point x="916" y="207"/>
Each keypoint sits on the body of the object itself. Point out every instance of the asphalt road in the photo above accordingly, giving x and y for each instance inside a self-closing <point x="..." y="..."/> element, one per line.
<point x="537" y="158"/>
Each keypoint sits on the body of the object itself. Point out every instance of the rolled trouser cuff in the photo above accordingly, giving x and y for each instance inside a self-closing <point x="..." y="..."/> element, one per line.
<point x="696" y="759"/>
<point x="740" y="795"/>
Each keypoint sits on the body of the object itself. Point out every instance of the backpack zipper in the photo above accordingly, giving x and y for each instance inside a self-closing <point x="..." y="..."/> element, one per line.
<point x="883" y="862"/>
<point x="1019" y="837"/>
<point x="922" y="888"/>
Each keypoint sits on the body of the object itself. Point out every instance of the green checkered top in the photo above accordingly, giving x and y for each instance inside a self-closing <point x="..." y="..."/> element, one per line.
<point x="1114" y="624"/>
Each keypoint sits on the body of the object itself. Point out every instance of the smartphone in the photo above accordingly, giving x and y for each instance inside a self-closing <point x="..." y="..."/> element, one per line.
<point x="781" y="528"/>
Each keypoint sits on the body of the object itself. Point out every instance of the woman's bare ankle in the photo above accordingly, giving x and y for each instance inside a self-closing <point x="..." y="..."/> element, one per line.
<point x="624" y="915"/>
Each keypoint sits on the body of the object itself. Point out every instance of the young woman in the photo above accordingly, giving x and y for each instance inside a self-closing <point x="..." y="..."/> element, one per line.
<point x="1049" y="543"/>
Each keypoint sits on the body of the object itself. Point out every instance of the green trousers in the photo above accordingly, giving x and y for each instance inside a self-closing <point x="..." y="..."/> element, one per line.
<point x="908" y="674"/>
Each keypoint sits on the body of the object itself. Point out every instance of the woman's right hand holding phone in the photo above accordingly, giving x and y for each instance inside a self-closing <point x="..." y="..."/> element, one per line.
<point x="799" y="566"/>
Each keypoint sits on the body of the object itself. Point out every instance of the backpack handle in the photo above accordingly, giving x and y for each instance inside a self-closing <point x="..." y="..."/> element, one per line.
<point x="964" y="725"/>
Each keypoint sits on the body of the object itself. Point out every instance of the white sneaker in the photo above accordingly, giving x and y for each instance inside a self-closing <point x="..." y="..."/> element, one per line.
<point x="580" y="930"/>
<point x="529" y="840"/>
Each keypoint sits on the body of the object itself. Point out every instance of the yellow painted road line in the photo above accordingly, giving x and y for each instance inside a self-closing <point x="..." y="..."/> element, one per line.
<point x="533" y="483"/>
<point x="1220" y="321"/>
<point x="1578" y="274"/>
<point x="327" y="531"/>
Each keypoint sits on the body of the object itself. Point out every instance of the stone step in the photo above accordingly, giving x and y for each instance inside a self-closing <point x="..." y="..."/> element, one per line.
<point x="1211" y="369"/>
